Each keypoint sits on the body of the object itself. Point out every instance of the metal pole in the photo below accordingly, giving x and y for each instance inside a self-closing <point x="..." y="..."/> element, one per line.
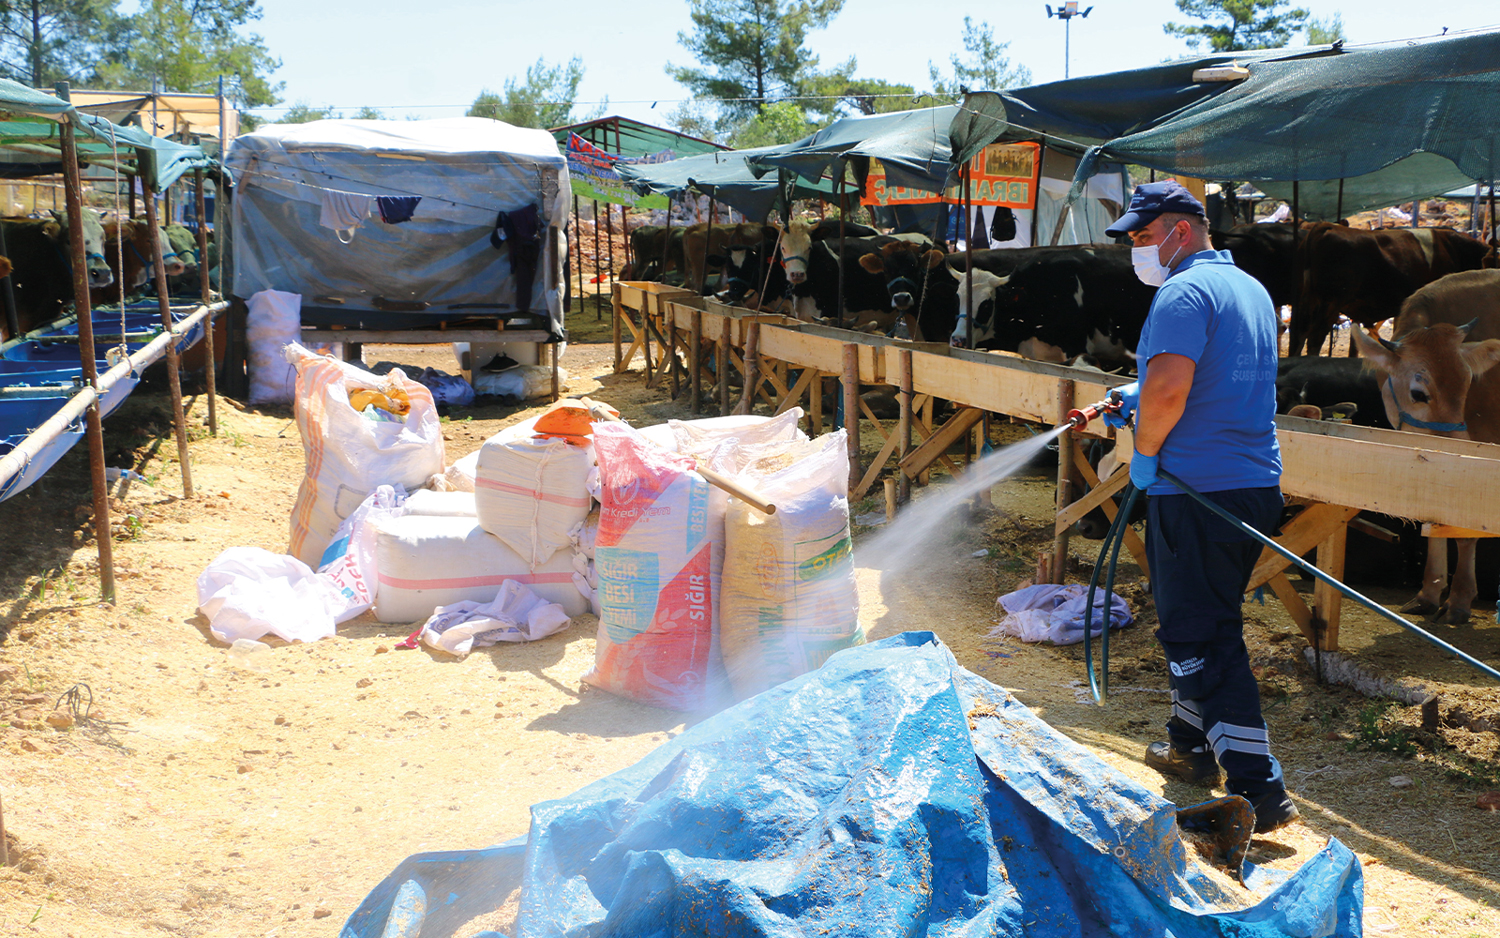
<point x="174" y="363"/>
<point x="968" y="255"/>
<point x="210" y="368"/>
<point x="721" y="362"/>
<point x="597" y="314"/>
<point x="1339" y="211"/>
<point x="838" y="308"/>
<point x="903" y="481"/>
<point x="93" y="428"/>
<point x="8" y="293"/>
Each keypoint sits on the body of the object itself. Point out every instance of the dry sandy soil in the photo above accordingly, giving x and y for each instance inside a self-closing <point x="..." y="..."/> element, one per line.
<point x="202" y="800"/>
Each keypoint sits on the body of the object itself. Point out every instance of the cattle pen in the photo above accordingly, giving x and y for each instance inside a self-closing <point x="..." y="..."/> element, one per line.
<point x="1333" y="470"/>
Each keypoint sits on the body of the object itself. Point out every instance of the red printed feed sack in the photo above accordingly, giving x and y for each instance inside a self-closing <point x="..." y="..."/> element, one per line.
<point x="658" y="559"/>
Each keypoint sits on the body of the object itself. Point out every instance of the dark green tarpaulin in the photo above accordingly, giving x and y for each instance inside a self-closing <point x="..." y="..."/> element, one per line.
<point x="31" y="147"/>
<point x="913" y="147"/>
<point x="726" y="177"/>
<point x="633" y="139"/>
<point x="1393" y="120"/>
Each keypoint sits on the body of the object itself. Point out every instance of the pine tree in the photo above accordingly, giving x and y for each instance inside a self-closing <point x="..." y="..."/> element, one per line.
<point x="1237" y="25"/>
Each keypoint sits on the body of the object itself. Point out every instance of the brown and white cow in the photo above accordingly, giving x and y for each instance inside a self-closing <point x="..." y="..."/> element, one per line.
<point x="127" y="251"/>
<point x="1366" y="275"/>
<point x="1438" y="377"/>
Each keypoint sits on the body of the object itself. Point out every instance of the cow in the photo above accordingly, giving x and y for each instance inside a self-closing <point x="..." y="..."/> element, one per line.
<point x="1080" y="299"/>
<point x="705" y="248"/>
<point x="42" y="277"/>
<point x="1365" y="275"/>
<point x="1438" y="377"/>
<point x="917" y="289"/>
<point x="1328" y="384"/>
<point x="127" y="245"/>
<point x="812" y="271"/>
<point x="655" y="250"/>
<point x="1266" y="252"/>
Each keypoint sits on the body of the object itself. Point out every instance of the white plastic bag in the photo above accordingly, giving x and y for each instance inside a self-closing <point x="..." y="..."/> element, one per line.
<point x="460" y="475"/>
<point x="347" y="455"/>
<point x="248" y="592"/>
<point x="516" y="614"/>
<point x="349" y="560"/>
<point x="789" y="596"/>
<point x="523" y="382"/>
<point x="273" y="321"/>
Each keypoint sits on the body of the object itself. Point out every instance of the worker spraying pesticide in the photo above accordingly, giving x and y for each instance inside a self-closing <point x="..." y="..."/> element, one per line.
<point x="1204" y="410"/>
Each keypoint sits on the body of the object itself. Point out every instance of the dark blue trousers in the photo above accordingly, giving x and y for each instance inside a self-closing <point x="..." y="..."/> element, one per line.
<point x="1200" y="565"/>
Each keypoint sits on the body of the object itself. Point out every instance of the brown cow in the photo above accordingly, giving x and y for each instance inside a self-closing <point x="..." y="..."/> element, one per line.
<point x="1366" y="275"/>
<point x="1437" y="378"/>
<point x="702" y="247"/>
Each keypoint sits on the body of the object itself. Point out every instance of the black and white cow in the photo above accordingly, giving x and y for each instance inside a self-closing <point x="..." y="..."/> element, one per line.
<point x="1063" y="301"/>
<point x="1328" y="384"/>
<point x="812" y="273"/>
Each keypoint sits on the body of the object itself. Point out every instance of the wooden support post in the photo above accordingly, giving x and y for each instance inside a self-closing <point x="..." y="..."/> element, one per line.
<point x="929" y="408"/>
<point x="903" y="431"/>
<point x="890" y="500"/>
<point x="670" y="321"/>
<point x="615" y="326"/>
<point x="752" y="369"/>
<point x="1327" y="601"/>
<point x="815" y="406"/>
<point x="4" y="844"/>
<point x="210" y="370"/>
<point x="695" y="358"/>
<point x="851" y="410"/>
<point x="646" y="340"/>
<point x="1065" y="445"/>
<point x="723" y="365"/>
<point x="556" y="378"/>
<point x="986" y="497"/>
<point x="1295" y="607"/>
<point x="174" y="365"/>
<point x="93" y="428"/>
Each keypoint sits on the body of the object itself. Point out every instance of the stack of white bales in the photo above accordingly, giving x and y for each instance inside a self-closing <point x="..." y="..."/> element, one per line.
<point x="455" y="546"/>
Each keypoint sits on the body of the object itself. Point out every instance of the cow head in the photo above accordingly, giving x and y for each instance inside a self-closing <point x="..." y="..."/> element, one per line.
<point x="905" y="266"/>
<point x="184" y="245"/>
<point x="743" y="238"/>
<point x="796" y="248"/>
<point x="1426" y="375"/>
<point x="93" y="245"/>
<point x="985" y="287"/>
<point x="171" y="260"/>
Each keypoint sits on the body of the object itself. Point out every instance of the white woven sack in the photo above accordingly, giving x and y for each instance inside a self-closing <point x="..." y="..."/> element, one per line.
<point x="273" y="321"/>
<point x="789" y="598"/>
<point x="426" y="561"/>
<point x="530" y="493"/>
<point x="348" y="456"/>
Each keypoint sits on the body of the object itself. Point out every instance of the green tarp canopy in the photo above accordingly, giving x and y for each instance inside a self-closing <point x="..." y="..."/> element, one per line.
<point x="913" y="147"/>
<point x="1393" y="121"/>
<point x="31" y="147"/>
<point x="633" y="139"/>
<point x="725" y="176"/>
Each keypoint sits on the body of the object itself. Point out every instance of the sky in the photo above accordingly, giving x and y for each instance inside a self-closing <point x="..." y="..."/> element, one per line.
<point x="433" y="59"/>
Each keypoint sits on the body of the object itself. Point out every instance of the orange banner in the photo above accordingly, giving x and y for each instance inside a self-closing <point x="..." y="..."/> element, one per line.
<point x="1003" y="174"/>
<point x="880" y="192"/>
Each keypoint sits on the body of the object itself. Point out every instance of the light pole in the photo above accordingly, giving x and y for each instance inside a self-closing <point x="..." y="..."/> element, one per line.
<point x="1066" y="12"/>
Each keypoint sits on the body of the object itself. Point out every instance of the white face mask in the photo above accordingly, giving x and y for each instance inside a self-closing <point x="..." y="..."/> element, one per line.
<point x="1148" y="265"/>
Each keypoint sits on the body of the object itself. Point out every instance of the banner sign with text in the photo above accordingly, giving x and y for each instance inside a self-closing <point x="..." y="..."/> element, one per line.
<point x="1003" y="174"/>
<point x="591" y="174"/>
<point x="879" y="191"/>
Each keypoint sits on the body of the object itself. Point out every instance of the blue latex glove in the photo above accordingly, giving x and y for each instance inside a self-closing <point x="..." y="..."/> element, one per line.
<point x="1130" y="399"/>
<point x="1143" y="470"/>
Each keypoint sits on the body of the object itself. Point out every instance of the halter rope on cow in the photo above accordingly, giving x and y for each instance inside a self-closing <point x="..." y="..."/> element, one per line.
<point x="1109" y="556"/>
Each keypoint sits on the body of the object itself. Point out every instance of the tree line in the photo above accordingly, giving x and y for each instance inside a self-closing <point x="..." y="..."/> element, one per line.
<point x="755" y="82"/>
<point x="180" y="45"/>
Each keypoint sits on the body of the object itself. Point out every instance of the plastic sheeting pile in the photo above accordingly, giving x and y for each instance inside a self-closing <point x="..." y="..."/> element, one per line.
<point x="891" y="792"/>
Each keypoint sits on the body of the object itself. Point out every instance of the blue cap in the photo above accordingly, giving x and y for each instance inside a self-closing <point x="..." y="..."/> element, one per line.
<point x="1152" y="199"/>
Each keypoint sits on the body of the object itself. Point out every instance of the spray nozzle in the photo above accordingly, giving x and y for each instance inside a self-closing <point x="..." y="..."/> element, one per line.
<point x="1079" y="418"/>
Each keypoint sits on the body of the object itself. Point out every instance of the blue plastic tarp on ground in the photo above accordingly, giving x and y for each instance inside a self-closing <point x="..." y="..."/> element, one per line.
<point x="891" y="792"/>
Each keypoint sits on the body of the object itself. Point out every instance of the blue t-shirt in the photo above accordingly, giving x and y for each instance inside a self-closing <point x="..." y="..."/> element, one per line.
<point x="1219" y="316"/>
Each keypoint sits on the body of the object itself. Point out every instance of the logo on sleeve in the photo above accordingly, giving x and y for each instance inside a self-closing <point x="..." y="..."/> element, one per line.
<point x="1188" y="667"/>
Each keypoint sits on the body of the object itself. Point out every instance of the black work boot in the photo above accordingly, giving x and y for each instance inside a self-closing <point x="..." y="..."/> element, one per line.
<point x="1195" y="768"/>
<point x="1273" y="811"/>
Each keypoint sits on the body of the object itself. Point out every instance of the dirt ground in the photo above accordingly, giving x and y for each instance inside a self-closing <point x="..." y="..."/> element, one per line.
<point x="203" y="800"/>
